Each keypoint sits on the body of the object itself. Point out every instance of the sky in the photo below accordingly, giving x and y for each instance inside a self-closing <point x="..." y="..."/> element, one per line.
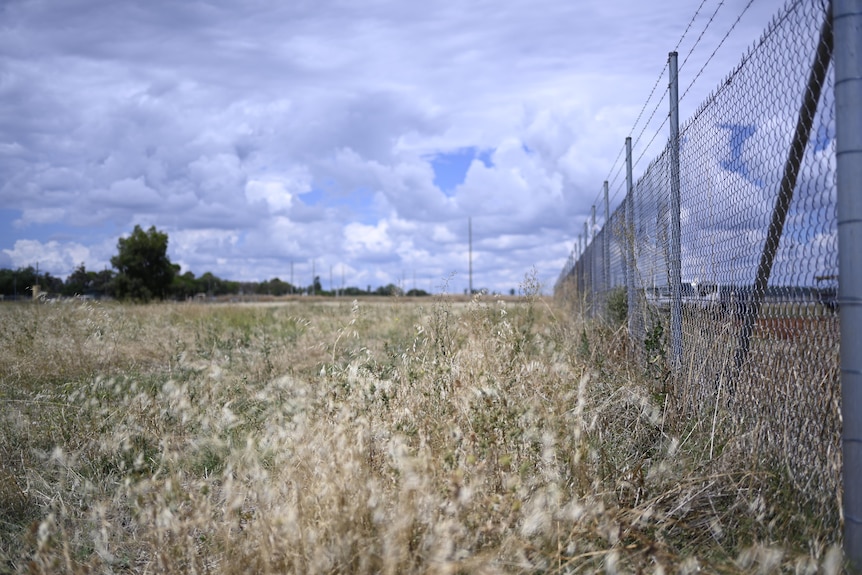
<point x="351" y="140"/>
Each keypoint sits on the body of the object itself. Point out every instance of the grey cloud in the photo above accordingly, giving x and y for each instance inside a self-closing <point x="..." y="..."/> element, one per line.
<point x="162" y="112"/>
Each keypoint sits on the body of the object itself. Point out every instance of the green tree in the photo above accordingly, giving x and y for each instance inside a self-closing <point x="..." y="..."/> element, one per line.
<point x="184" y="286"/>
<point x="315" y="288"/>
<point x="79" y="282"/>
<point x="104" y="282"/>
<point x="212" y="285"/>
<point x="18" y="282"/>
<point x="389" y="290"/>
<point x="49" y="284"/>
<point x="144" y="270"/>
<point x="275" y="287"/>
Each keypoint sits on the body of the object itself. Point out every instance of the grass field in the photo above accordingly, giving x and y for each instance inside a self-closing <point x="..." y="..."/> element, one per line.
<point x="380" y="436"/>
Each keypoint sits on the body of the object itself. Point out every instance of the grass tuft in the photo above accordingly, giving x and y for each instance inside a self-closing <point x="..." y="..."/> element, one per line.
<point x="492" y="436"/>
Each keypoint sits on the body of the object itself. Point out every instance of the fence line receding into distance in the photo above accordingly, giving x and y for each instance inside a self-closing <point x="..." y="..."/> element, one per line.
<point x="725" y="254"/>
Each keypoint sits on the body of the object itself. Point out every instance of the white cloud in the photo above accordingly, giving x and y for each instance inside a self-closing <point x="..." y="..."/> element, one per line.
<point x="59" y="258"/>
<point x="259" y="134"/>
<point x="39" y="216"/>
<point x="273" y="194"/>
<point x="442" y="235"/>
<point x="361" y="239"/>
<point x="217" y="177"/>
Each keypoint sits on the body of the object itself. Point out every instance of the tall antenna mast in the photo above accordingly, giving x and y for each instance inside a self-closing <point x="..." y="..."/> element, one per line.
<point x="470" y="237"/>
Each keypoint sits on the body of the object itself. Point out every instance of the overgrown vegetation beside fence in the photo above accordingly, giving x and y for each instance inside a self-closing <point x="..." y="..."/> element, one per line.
<point x="390" y="437"/>
<point x="727" y="261"/>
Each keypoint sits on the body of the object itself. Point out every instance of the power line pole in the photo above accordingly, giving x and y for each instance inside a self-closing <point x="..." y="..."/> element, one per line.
<point x="470" y="242"/>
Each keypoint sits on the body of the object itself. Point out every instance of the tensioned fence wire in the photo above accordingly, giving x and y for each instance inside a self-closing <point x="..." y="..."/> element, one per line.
<point x="779" y="380"/>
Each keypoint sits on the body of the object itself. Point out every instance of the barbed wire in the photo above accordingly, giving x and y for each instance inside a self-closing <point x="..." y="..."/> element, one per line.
<point x="647" y="147"/>
<point x="728" y="191"/>
<point x="690" y="22"/>
<point x="711" y="56"/>
<point x="612" y="181"/>
<point x="617" y="166"/>
<point x="747" y="56"/>
<point x="702" y="32"/>
<point x="657" y="81"/>
<point x="700" y="72"/>
<point x="654" y="110"/>
<point x="613" y="165"/>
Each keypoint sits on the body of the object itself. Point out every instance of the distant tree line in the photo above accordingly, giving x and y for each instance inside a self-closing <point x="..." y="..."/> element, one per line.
<point x="143" y="272"/>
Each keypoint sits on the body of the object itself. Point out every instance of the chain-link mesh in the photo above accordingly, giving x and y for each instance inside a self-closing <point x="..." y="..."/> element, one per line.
<point x="759" y="326"/>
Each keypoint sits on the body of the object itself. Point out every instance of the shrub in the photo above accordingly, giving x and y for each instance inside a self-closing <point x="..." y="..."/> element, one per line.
<point x="618" y="307"/>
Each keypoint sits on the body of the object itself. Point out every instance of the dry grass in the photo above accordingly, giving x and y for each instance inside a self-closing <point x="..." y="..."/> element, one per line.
<point x="385" y="437"/>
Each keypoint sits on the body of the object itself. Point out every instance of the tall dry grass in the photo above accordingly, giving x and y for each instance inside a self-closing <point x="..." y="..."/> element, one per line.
<point x="388" y="437"/>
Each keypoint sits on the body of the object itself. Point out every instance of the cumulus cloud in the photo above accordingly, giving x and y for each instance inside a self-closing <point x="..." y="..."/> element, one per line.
<point x="265" y="137"/>
<point x="56" y="257"/>
<point x="372" y="241"/>
<point x="277" y="192"/>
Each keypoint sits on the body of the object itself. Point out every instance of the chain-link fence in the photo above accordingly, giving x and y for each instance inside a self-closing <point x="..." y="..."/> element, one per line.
<point x="751" y="324"/>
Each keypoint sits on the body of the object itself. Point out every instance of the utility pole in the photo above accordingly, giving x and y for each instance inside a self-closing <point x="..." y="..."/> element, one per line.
<point x="470" y="242"/>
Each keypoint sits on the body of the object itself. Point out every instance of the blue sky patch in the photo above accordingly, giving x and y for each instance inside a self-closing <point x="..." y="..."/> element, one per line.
<point x="484" y="156"/>
<point x="359" y="202"/>
<point x="54" y="231"/>
<point x="450" y="169"/>
<point x="7" y="234"/>
<point x="823" y="137"/>
<point x="739" y="133"/>
<point x="312" y="198"/>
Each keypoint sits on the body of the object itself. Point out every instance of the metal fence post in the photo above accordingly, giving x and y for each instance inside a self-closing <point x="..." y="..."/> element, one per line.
<point x="594" y="277"/>
<point x="847" y="29"/>
<point x="629" y="236"/>
<point x="580" y="268"/>
<point x="675" y="263"/>
<point x="606" y="244"/>
<point x="620" y="233"/>
<point x="588" y="269"/>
